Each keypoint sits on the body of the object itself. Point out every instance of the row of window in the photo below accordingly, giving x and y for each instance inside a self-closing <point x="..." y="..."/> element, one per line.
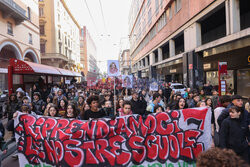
<point x="160" y="24"/>
<point x="10" y="32"/>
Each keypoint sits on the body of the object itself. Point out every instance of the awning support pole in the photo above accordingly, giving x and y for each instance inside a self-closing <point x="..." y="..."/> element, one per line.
<point x="10" y="79"/>
<point x="46" y="78"/>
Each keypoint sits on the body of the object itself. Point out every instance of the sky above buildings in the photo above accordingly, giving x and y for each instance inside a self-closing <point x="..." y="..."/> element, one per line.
<point x="107" y="23"/>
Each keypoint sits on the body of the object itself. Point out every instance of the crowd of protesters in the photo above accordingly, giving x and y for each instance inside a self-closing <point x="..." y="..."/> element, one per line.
<point x="230" y="115"/>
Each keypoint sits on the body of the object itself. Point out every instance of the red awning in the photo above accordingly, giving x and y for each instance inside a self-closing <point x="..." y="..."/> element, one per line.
<point x="25" y="67"/>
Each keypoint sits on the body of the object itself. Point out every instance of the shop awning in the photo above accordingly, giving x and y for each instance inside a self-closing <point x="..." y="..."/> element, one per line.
<point x="65" y="72"/>
<point x="25" y="67"/>
<point x="76" y="74"/>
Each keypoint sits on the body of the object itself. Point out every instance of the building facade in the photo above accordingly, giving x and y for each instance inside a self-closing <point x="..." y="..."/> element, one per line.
<point x="88" y="55"/>
<point x="19" y="35"/>
<point x="125" y="63"/>
<point x="59" y="35"/>
<point x="183" y="41"/>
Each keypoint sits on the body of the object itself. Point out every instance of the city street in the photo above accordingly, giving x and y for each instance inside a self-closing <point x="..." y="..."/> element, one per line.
<point x="125" y="83"/>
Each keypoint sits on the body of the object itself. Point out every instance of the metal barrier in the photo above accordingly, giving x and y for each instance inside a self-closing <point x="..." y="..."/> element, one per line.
<point x="10" y="151"/>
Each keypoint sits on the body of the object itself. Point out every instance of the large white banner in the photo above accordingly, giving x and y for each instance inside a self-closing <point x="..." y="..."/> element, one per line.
<point x="175" y="138"/>
<point x="113" y="68"/>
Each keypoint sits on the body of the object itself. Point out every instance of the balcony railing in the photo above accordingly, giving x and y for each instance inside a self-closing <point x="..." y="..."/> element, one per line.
<point x="12" y="9"/>
<point x="54" y="56"/>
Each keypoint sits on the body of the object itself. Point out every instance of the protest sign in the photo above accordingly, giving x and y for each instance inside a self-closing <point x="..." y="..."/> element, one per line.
<point x="113" y="68"/>
<point x="153" y="86"/>
<point x="127" y="81"/>
<point x="174" y="138"/>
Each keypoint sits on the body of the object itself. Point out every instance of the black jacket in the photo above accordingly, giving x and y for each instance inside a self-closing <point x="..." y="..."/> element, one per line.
<point x="233" y="135"/>
<point x="2" y="131"/>
<point x="167" y="93"/>
<point x="11" y="108"/>
<point x="137" y="107"/>
<point x="90" y="114"/>
<point x="225" y="113"/>
<point x="38" y="106"/>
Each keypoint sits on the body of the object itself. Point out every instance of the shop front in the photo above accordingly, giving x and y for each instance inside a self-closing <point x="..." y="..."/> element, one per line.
<point x="238" y="70"/>
<point x="25" y="74"/>
<point x="171" y="71"/>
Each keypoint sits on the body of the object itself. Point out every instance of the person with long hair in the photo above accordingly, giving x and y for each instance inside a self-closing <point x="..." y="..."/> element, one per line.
<point x="181" y="104"/>
<point x="119" y="105"/>
<point x="201" y="104"/>
<point x="80" y="104"/>
<point x="126" y="93"/>
<point x="71" y="111"/>
<point x="126" y="109"/>
<point x="53" y="111"/>
<point x="62" y="107"/>
<point x="208" y="102"/>
<point x="173" y="101"/>
<point x="49" y="99"/>
<point x="163" y="99"/>
<point x="46" y="111"/>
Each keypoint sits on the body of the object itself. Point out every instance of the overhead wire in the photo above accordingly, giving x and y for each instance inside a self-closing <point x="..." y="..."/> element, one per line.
<point x="92" y="19"/>
<point x="103" y="16"/>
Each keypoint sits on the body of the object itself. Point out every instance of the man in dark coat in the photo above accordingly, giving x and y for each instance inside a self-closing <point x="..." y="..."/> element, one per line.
<point x="233" y="135"/>
<point x="237" y="101"/>
<point x="38" y="103"/>
<point x="137" y="106"/>
<point x="167" y="92"/>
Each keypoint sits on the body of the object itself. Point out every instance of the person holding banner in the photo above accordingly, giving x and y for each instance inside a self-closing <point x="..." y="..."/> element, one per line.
<point x="71" y="111"/>
<point x="108" y="108"/>
<point x="94" y="111"/>
<point x="126" y="109"/>
<point x="53" y="111"/>
<point x="62" y="107"/>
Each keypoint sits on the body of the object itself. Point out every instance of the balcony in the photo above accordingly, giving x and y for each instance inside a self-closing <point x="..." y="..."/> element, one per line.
<point x="10" y="9"/>
<point x="55" y="56"/>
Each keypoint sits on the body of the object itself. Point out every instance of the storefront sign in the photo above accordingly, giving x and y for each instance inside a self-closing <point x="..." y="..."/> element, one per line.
<point x="222" y="72"/>
<point x="206" y="66"/>
<point x="173" y="71"/>
<point x="175" y="138"/>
